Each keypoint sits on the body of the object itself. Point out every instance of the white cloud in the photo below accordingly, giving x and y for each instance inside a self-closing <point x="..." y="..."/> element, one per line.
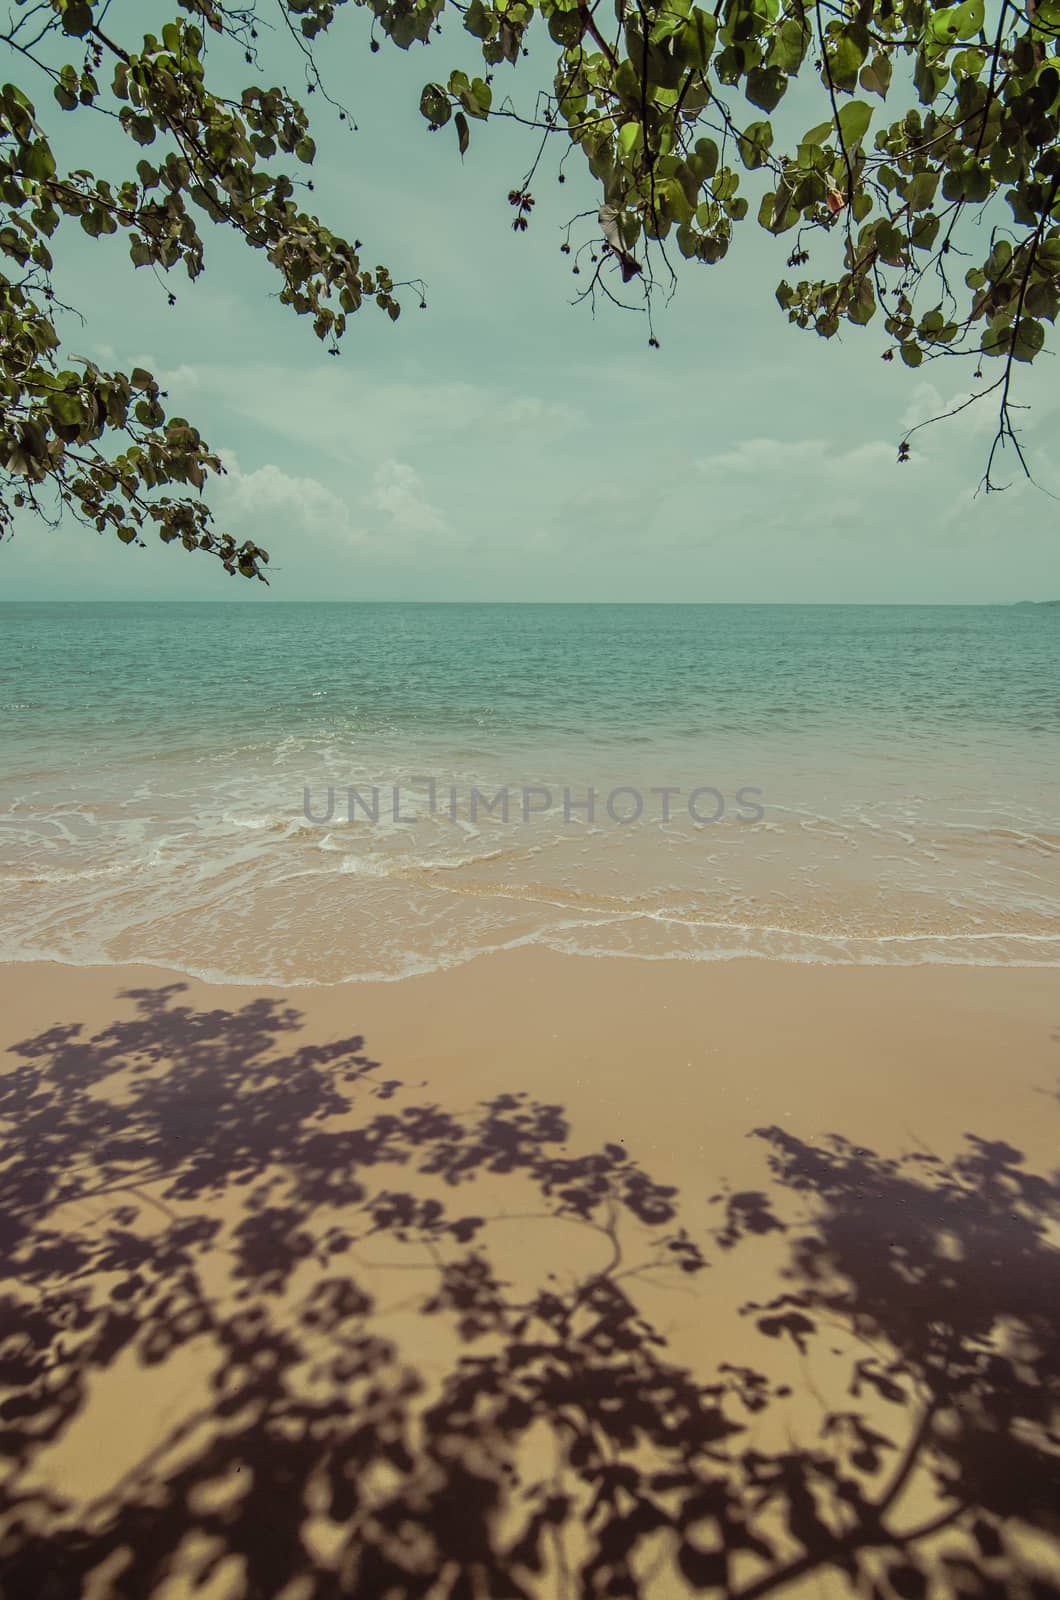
<point x="531" y="411"/>
<point x="270" y="493"/>
<point x="927" y="402"/>
<point x="348" y="414"/>
<point x="342" y="412"/>
<point x="806" y="485"/>
<point x="398" y="493"/>
<point x="774" y="459"/>
<point x="289" y="512"/>
<point x="176" y="378"/>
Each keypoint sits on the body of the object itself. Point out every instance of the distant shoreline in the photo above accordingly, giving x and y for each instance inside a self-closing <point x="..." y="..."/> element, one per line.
<point x="274" y="600"/>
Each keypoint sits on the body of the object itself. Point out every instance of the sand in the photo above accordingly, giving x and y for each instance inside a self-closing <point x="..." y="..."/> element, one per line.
<point x="482" y="1283"/>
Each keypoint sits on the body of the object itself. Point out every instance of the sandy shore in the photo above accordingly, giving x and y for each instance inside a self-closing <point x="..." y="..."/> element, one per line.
<point x="478" y="1285"/>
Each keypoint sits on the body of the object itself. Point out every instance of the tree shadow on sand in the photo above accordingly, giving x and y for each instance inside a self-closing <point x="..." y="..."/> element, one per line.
<point x="198" y="1187"/>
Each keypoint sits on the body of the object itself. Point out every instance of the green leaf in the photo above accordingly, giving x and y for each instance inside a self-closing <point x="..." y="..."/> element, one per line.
<point x="725" y="185"/>
<point x="1048" y="254"/>
<point x="821" y="135"/>
<point x="481" y="97"/>
<point x="142" y="129"/>
<point x="755" y="143"/>
<point x="875" y="76"/>
<point x="890" y="243"/>
<point x="477" y="20"/>
<point x="997" y="339"/>
<point x="463" y="133"/>
<point x="920" y="191"/>
<point x="854" y="119"/>
<point x="565" y="27"/>
<point x="776" y="214"/>
<point x="765" y="87"/>
<point x="956" y="22"/>
<point x="971" y="17"/>
<point x="1043" y="300"/>
<point x="998" y="260"/>
<point x="38" y="162"/>
<point x="846" y="52"/>
<point x="672" y="202"/>
<point x="695" y="43"/>
<point x="77" y="19"/>
<point x="863" y="307"/>
<point x="687" y="241"/>
<point x="970" y="183"/>
<point x="66" y="409"/>
<point x="669" y="21"/>
<point x="630" y="136"/>
<point x="1030" y="336"/>
<point x="789" y="46"/>
<point x="434" y="105"/>
<point x="924" y="231"/>
<point x="705" y="158"/>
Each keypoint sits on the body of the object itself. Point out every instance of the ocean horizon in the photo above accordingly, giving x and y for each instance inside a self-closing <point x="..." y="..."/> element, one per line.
<point x="254" y="598"/>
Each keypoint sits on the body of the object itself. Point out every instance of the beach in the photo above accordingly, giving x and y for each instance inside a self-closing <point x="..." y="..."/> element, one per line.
<point x="529" y="1102"/>
<point x="529" y="854"/>
<point x="544" y="1275"/>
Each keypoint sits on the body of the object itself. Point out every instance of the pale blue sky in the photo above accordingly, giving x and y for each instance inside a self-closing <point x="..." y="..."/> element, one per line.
<point x="503" y="444"/>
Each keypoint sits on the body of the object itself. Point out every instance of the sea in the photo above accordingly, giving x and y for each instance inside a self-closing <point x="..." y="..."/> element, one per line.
<point x="311" y="793"/>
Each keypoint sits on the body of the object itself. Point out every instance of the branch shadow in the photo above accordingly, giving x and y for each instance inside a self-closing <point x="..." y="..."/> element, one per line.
<point x="196" y="1199"/>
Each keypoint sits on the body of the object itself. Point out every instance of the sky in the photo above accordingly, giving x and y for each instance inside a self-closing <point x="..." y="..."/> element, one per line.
<point x="507" y="444"/>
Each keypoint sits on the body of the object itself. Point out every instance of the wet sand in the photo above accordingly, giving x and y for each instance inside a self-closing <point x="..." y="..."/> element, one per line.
<point x="544" y="1276"/>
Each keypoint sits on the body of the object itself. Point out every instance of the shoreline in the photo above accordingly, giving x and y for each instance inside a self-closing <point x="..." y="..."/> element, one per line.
<point x="729" y="1004"/>
<point x="699" y="960"/>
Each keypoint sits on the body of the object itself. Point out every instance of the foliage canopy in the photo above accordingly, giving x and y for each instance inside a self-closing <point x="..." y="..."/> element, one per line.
<point x="928" y="190"/>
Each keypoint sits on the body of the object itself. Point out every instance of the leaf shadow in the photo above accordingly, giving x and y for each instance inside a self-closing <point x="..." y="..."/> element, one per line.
<point x="205" y="1187"/>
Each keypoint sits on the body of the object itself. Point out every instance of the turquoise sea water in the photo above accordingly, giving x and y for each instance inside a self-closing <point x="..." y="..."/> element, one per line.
<point x="156" y="759"/>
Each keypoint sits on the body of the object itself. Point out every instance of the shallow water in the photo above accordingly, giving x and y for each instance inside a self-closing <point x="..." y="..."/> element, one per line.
<point x="157" y="760"/>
